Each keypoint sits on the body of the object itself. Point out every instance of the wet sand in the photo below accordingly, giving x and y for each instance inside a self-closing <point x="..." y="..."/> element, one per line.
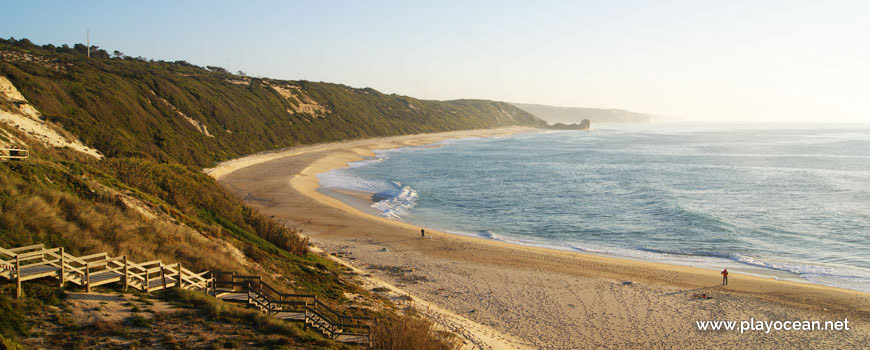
<point x="500" y="295"/>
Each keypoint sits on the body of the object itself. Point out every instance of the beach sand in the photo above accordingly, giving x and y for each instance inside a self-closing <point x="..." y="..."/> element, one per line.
<point x="504" y="296"/>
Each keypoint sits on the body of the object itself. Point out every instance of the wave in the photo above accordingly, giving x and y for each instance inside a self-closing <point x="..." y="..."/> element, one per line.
<point x="379" y="157"/>
<point x="490" y="235"/>
<point x="838" y="276"/>
<point x="652" y="193"/>
<point x="396" y="201"/>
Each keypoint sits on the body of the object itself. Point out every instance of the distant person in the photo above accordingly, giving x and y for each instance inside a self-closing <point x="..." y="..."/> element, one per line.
<point x="725" y="277"/>
<point x="422" y="233"/>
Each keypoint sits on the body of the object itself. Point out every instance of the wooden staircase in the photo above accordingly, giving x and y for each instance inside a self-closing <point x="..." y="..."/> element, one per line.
<point x="251" y="290"/>
<point x="31" y="262"/>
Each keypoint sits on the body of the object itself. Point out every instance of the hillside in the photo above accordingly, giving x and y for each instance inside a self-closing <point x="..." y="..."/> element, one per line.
<point x="116" y="150"/>
<point x="177" y="112"/>
<point x="569" y="115"/>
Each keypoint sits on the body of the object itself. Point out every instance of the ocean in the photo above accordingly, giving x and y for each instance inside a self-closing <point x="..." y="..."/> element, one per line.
<point x="787" y="202"/>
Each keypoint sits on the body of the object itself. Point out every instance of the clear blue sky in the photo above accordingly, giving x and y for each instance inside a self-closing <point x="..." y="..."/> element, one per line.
<point x="699" y="60"/>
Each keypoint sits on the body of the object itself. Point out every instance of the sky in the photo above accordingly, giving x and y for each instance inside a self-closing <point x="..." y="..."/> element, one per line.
<point x="707" y="61"/>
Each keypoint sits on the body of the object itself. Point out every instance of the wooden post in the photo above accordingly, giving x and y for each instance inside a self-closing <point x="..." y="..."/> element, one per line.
<point x="88" y="275"/>
<point x="126" y="275"/>
<point x="163" y="275"/>
<point x="18" y="276"/>
<point x="178" y="284"/>
<point x="61" y="267"/>
<point x="147" y="282"/>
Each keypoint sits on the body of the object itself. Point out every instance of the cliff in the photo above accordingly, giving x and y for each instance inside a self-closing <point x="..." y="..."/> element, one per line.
<point x="567" y="115"/>
<point x="181" y="113"/>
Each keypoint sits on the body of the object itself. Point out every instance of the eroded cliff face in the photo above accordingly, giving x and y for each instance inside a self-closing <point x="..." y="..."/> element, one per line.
<point x="17" y="113"/>
<point x="300" y="102"/>
<point x="180" y="113"/>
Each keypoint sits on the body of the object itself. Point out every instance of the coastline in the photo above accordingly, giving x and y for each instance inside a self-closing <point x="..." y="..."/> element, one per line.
<point x="542" y="298"/>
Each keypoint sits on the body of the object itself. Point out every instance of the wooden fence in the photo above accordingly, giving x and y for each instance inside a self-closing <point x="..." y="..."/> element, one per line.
<point x="31" y="262"/>
<point x="232" y="287"/>
<point x="13" y="154"/>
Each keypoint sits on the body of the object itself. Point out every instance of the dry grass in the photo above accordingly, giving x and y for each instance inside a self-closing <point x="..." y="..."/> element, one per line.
<point x="217" y="310"/>
<point x="34" y="214"/>
<point x="409" y="330"/>
<point x="203" y="204"/>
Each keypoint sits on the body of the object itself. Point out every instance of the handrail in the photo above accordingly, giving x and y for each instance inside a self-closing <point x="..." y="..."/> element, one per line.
<point x="152" y="262"/>
<point x="35" y="253"/>
<point x="7" y="252"/>
<point x="86" y="257"/>
<point x="321" y="304"/>
<point x="29" y="247"/>
<point x="155" y="274"/>
<point x="321" y="315"/>
<point x="73" y="258"/>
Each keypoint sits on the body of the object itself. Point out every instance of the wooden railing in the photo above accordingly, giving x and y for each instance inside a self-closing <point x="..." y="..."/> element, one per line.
<point x="317" y="314"/>
<point x="13" y="154"/>
<point x="35" y="261"/>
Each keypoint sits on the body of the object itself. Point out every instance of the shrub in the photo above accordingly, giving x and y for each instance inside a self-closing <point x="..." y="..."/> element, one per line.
<point x="409" y="330"/>
<point x="45" y="291"/>
<point x="12" y="320"/>
<point x="9" y="344"/>
<point x="137" y="321"/>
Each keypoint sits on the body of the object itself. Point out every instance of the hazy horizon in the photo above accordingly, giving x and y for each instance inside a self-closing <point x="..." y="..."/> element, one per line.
<point x="772" y="62"/>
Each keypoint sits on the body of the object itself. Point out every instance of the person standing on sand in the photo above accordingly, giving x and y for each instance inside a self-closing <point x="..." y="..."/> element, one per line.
<point x="422" y="233"/>
<point x="725" y="277"/>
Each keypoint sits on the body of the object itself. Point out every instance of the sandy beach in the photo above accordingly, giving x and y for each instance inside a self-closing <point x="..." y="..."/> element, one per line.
<point x="503" y="296"/>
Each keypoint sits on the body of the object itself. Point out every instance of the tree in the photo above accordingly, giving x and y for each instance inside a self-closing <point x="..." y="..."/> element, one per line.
<point x="80" y="48"/>
<point x="118" y="54"/>
<point x="217" y="69"/>
<point x="242" y="73"/>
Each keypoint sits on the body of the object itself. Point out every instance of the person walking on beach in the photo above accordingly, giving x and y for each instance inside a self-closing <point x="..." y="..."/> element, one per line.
<point x="725" y="277"/>
<point x="422" y="233"/>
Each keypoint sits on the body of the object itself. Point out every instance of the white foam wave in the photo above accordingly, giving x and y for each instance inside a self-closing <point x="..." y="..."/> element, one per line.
<point x="837" y="276"/>
<point x="342" y="179"/>
<point x="399" y="200"/>
<point x="378" y="158"/>
<point x="490" y="235"/>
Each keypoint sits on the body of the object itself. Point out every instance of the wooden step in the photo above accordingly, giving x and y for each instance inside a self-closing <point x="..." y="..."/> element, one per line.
<point x="34" y="272"/>
<point x="157" y="284"/>
<point x="104" y="277"/>
<point x="352" y="339"/>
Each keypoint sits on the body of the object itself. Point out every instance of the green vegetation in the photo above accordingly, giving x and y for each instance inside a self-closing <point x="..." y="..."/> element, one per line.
<point x="217" y="310"/>
<point x="127" y="107"/>
<point x="409" y="330"/>
<point x="158" y="123"/>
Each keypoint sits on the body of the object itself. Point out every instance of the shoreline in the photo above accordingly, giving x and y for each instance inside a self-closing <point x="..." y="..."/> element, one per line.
<point x="657" y="290"/>
<point x="362" y="201"/>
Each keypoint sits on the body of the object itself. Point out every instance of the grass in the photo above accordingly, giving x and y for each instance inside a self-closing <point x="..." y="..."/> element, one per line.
<point x="130" y="107"/>
<point x="217" y="310"/>
<point x="137" y="321"/>
<point x="409" y="330"/>
<point x="13" y="312"/>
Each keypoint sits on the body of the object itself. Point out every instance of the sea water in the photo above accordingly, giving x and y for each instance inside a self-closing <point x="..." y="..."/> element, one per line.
<point x="789" y="202"/>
